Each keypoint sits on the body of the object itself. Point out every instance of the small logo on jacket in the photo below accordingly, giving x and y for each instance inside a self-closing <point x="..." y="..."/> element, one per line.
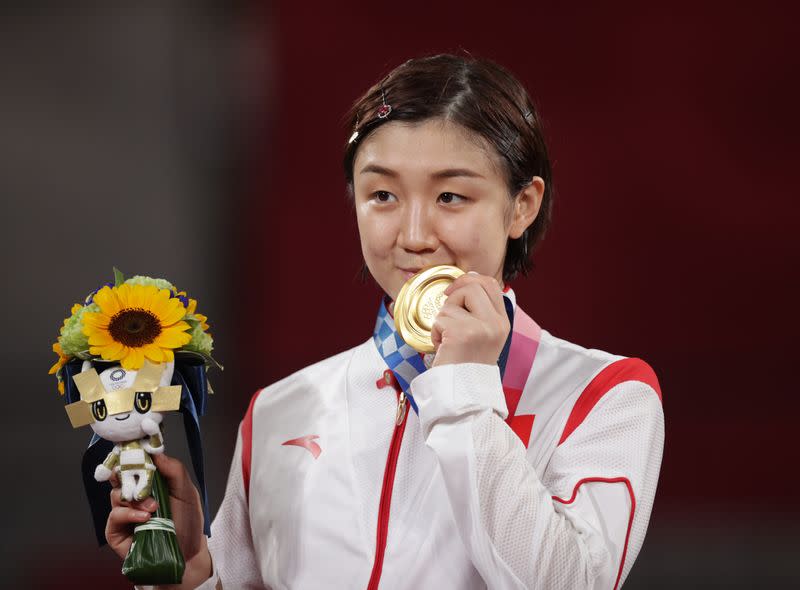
<point x="307" y="442"/>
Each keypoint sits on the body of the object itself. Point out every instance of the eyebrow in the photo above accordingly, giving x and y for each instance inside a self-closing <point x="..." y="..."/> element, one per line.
<point x="375" y="169"/>
<point x="447" y="173"/>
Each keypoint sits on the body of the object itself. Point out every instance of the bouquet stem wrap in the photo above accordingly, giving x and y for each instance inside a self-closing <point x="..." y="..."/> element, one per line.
<point x="155" y="557"/>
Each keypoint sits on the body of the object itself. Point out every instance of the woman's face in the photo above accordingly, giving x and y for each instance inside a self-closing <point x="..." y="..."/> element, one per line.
<point x="432" y="193"/>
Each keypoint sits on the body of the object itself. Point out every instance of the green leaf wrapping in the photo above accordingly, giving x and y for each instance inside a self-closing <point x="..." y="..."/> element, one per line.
<point x="155" y="557"/>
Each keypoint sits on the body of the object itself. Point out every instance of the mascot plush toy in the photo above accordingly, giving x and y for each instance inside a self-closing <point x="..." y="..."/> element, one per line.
<point x="133" y="350"/>
<point x="125" y="407"/>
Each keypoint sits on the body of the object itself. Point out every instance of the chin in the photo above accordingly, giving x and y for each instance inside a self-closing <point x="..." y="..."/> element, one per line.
<point x="389" y="285"/>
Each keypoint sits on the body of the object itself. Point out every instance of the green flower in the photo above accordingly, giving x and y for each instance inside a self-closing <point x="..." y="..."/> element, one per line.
<point x="142" y="280"/>
<point x="201" y="341"/>
<point x="72" y="339"/>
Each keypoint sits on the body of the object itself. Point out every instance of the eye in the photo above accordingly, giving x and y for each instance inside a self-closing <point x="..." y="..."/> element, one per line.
<point x="143" y="402"/>
<point x="448" y="198"/>
<point x="99" y="410"/>
<point x="383" y="197"/>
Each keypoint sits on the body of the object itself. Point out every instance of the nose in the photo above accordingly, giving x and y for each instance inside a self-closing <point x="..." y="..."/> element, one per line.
<point x="418" y="230"/>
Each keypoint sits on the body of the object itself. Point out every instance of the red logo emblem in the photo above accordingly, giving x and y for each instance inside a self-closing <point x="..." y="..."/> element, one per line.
<point x="307" y="442"/>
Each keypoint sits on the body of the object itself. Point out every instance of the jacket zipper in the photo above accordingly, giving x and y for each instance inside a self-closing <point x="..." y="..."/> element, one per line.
<point x="386" y="491"/>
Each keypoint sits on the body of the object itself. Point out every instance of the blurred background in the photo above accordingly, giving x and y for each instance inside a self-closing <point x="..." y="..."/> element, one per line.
<point x="201" y="141"/>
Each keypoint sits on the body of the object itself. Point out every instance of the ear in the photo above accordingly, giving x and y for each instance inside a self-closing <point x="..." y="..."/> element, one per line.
<point x="526" y="207"/>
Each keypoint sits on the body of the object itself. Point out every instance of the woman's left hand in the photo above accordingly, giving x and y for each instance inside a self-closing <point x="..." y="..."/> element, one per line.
<point x="472" y="326"/>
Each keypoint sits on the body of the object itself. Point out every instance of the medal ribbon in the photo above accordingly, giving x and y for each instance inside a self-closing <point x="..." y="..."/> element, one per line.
<point x="515" y="362"/>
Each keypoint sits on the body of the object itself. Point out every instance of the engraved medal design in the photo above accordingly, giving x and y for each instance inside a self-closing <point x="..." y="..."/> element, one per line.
<point x="418" y="302"/>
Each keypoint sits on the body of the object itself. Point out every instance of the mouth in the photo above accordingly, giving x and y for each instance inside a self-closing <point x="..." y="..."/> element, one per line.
<point x="409" y="272"/>
<point x="128" y="415"/>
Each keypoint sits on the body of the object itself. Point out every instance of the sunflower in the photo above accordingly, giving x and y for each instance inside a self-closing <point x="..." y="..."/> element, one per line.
<point x="191" y="313"/>
<point x="56" y="369"/>
<point x="203" y="320"/>
<point x="62" y="359"/>
<point x="134" y="322"/>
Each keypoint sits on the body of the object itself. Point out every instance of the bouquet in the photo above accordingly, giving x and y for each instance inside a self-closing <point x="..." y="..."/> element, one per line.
<point x="134" y="349"/>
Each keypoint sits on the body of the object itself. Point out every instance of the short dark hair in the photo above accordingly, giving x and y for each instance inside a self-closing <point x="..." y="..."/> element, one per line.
<point x="482" y="97"/>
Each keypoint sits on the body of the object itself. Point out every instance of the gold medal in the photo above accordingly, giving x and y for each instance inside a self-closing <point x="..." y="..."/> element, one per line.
<point x="418" y="302"/>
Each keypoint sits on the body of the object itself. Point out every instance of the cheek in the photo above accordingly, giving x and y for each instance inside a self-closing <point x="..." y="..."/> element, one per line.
<point x="101" y="430"/>
<point x="466" y="241"/>
<point x="477" y="240"/>
<point x="135" y="423"/>
<point x="376" y="234"/>
<point x="466" y="235"/>
<point x="113" y="430"/>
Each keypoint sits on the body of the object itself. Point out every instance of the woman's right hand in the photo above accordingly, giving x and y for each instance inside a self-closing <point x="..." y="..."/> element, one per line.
<point x="187" y="514"/>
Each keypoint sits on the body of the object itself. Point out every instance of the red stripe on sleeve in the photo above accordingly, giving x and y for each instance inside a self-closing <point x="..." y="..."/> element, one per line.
<point x="627" y="483"/>
<point x="630" y="369"/>
<point x="247" y="444"/>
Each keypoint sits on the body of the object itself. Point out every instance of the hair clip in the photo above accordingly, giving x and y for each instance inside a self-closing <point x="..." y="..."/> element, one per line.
<point x="384" y="109"/>
<point x="527" y="115"/>
<point x="355" y="133"/>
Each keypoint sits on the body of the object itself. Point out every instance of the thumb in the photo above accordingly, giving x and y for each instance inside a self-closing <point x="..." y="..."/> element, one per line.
<point x="436" y="336"/>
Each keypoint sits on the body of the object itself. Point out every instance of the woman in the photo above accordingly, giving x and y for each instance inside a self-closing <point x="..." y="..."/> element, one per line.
<point x="514" y="460"/>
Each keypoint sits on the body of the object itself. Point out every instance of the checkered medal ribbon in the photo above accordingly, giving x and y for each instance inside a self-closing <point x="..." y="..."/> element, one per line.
<point x="405" y="362"/>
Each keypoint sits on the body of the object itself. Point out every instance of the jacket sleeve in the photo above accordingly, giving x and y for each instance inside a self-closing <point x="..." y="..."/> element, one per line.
<point x="577" y="525"/>
<point x="231" y="543"/>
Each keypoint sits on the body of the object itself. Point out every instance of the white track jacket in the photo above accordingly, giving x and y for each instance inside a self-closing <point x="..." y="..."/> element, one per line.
<point x="548" y="486"/>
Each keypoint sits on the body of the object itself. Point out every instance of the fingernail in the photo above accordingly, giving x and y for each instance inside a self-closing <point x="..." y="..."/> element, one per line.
<point x="472" y="272"/>
<point x="141" y="514"/>
<point x="150" y="504"/>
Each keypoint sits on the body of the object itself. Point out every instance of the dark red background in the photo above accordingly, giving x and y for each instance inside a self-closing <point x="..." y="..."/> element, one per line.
<point x="672" y="130"/>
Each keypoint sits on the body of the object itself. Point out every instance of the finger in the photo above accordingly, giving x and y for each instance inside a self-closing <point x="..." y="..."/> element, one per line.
<point x="495" y="293"/>
<point x="447" y="327"/>
<point x="116" y="498"/>
<point x="473" y="276"/>
<point x="118" y="527"/>
<point x="444" y="318"/>
<point x="120" y="517"/>
<point x="479" y="275"/>
<point x="451" y="309"/>
<point x="460" y="281"/>
<point x="178" y="480"/>
<point x="149" y="504"/>
<point x="473" y="297"/>
<point x="492" y="287"/>
<point x="114" y="480"/>
<point x="436" y="335"/>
